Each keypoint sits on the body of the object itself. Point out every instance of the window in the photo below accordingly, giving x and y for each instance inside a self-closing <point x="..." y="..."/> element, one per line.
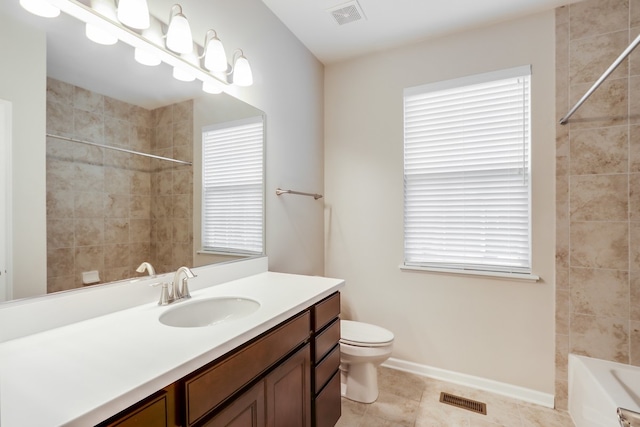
<point x="467" y="173"/>
<point x="232" y="187"/>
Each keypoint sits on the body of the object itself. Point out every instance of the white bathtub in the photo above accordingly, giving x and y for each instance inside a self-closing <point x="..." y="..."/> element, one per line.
<point x="598" y="387"/>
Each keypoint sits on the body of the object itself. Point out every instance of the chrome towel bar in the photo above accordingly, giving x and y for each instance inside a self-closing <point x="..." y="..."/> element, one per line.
<point x="280" y="191"/>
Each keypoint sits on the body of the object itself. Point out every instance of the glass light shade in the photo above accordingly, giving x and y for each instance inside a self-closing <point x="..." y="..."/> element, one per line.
<point x="183" y="72"/>
<point x="215" y="58"/>
<point x="179" y="37"/>
<point x="100" y="36"/>
<point x="242" y="75"/>
<point x="146" y="57"/>
<point x="40" y="7"/>
<point x="211" y="87"/>
<point x="134" y="13"/>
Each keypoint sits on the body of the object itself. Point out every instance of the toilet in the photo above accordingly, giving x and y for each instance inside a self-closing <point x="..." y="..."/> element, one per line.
<point x="362" y="348"/>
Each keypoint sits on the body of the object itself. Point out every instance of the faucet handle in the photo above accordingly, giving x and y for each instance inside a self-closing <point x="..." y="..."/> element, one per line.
<point x="185" y="288"/>
<point x="165" y="297"/>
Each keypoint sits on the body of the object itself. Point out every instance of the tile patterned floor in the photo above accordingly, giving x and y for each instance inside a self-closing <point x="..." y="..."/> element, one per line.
<point x="413" y="401"/>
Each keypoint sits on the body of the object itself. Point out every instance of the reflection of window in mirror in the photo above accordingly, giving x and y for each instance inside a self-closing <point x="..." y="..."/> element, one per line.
<point x="232" y="187"/>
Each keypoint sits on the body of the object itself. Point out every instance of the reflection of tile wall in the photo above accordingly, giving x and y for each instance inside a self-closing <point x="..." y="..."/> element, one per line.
<point x="171" y="187"/>
<point x="598" y="187"/>
<point x="100" y="201"/>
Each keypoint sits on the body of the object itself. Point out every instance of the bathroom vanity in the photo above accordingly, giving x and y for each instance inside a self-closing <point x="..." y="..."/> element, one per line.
<point x="275" y="366"/>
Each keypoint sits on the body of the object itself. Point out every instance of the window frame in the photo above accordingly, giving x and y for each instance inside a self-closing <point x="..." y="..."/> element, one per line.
<point x="222" y="250"/>
<point x="497" y="270"/>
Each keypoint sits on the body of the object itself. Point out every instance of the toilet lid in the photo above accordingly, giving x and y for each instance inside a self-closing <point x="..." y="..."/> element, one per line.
<point x="364" y="334"/>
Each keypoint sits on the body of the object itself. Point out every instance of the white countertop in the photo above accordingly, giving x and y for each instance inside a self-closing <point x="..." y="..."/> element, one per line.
<point x="83" y="373"/>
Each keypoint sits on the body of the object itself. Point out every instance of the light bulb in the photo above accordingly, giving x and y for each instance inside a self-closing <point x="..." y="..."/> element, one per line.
<point x="107" y="9"/>
<point x="146" y="57"/>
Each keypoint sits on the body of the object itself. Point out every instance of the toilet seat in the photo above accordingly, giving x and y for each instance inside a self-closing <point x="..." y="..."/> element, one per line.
<point x="359" y="334"/>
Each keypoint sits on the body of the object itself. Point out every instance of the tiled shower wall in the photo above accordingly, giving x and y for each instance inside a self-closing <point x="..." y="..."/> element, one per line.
<point x="108" y="210"/>
<point x="598" y="187"/>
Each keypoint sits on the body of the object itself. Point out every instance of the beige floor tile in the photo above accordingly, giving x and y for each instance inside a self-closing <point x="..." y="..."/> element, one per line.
<point x="401" y="383"/>
<point x="397" y="409"/>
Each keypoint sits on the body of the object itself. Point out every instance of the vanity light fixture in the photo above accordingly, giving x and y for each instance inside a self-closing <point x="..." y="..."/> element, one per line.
<point x="179" y="37"/>
<point x="144" y="54"/>
<point x="134" y="13"/>
<point x="215" y="58"/>
<point x="96" y="33"/>
<point x="242" y="75"/>
<point x="41" y="8"/>
<point x="149" y="45"/>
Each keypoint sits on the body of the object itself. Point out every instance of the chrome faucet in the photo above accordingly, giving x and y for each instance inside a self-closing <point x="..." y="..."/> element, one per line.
<point x="179" y="287"/>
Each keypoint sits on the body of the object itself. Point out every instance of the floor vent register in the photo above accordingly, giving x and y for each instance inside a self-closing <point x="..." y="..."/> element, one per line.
<point x="464" y="403"/>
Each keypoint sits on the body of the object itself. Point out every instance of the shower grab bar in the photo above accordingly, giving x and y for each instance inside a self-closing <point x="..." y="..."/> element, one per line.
<point x="603" y="77"/>
<point x="628" y="418"/>
<point x="280" y="191"/>
<point x="124" y="150"/>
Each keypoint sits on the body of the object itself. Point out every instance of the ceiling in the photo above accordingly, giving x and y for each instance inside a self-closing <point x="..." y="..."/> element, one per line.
<point x="391" y="23"/>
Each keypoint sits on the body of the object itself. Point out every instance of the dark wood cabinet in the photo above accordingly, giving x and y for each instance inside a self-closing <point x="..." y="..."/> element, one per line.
<point x="286" y="377"/>
<point x="325" y="342"/>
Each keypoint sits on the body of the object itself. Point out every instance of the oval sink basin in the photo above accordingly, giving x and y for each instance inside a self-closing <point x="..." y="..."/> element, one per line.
<point x="208" y="312"/>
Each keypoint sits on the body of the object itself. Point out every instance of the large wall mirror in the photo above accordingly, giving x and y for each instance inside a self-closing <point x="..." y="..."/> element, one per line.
<point x="110" y="210"/>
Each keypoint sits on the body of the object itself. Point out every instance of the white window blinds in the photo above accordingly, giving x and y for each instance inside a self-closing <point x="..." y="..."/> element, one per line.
<point x="232" y="186"/>
<point x="466" y="173"/>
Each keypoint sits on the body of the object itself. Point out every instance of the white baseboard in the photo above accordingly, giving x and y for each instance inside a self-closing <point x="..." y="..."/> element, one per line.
<point x="515" y="392"/>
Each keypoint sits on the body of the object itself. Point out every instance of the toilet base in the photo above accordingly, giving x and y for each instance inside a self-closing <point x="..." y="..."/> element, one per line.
<point x="359" y="382"/>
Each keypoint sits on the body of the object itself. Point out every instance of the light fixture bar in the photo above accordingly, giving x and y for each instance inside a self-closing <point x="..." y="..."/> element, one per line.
<point x="86" y="14"/>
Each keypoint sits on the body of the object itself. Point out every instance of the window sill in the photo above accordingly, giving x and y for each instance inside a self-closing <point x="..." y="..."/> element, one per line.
<point x="525" y="277"/>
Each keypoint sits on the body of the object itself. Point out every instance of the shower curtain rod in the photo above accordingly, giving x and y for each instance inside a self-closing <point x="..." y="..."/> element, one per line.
<point x="124" y="150"/>
<point x="603" y="77"/>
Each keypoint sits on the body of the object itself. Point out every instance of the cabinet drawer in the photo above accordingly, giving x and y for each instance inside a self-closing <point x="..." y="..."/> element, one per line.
<point x="326" y="340"/>
<point x="325" y="370"/>
<point x="325" y="311"/>
<point x="213" y="385"/>
<point x="327" y="409"/>
<point x="153" y="412"/>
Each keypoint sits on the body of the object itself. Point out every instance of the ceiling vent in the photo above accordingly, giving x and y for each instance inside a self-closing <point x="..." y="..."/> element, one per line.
<point x="347" y="13"/>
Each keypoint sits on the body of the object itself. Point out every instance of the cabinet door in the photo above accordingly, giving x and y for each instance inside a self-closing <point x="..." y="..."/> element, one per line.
<point x="288" y="390"/>
<point x="247" y="410"/>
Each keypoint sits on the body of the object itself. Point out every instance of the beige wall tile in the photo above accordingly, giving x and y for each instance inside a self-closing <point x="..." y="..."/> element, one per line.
<point x="60" y="262"/>
<point x="116" y="205"/>
<point x="563" y="308"/>
<point x="88" y="101"/>
<point x="117" y="132"/>
<point x="89" y="232"/>
<point x="117" y="109"/>
<point x="607" y="106"/>
<point x="600" y="292"/>
<point x="60" y="204"/>
<point x="59" y="91"/>
<point x="600" y="337"/>
<point x="562" y="356"/>
<point x="599" y="198"/>
<point x="634" y="246"/>
<point x="88" y="205"/>
<point x="634" y="57"/>
<point x="88" y="177"/>
<point x="634" y="148"/>
<point x="89" y="258"/>
<point x="635" y="343"/>
<point x="634" y="294"/>
<point x="634" y="102"/>
<point x="599" y="151"/>
<point x="562" y="394"/>
<point x="117" y="181"/>
<point x="116" y="256"/>
<point x="600" y="245"/>
<point x="593" y="17"/>
<point x="139" y="206"/>
<point x="140" y="230"/>
<point x="563" y="238"/>
<point x="634" y="197"/>
<point x="59" y="118"/>
<point x="61" y="234"/>
<point x="591" y="56"/>
<point x="634" y="13"/>
<point x="116" y="230"/>
<point x="88" y="126"/>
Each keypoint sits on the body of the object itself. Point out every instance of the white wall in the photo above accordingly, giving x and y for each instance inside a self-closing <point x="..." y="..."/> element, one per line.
<point x="496" y="329"/>
<point x="22" y="82"/>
